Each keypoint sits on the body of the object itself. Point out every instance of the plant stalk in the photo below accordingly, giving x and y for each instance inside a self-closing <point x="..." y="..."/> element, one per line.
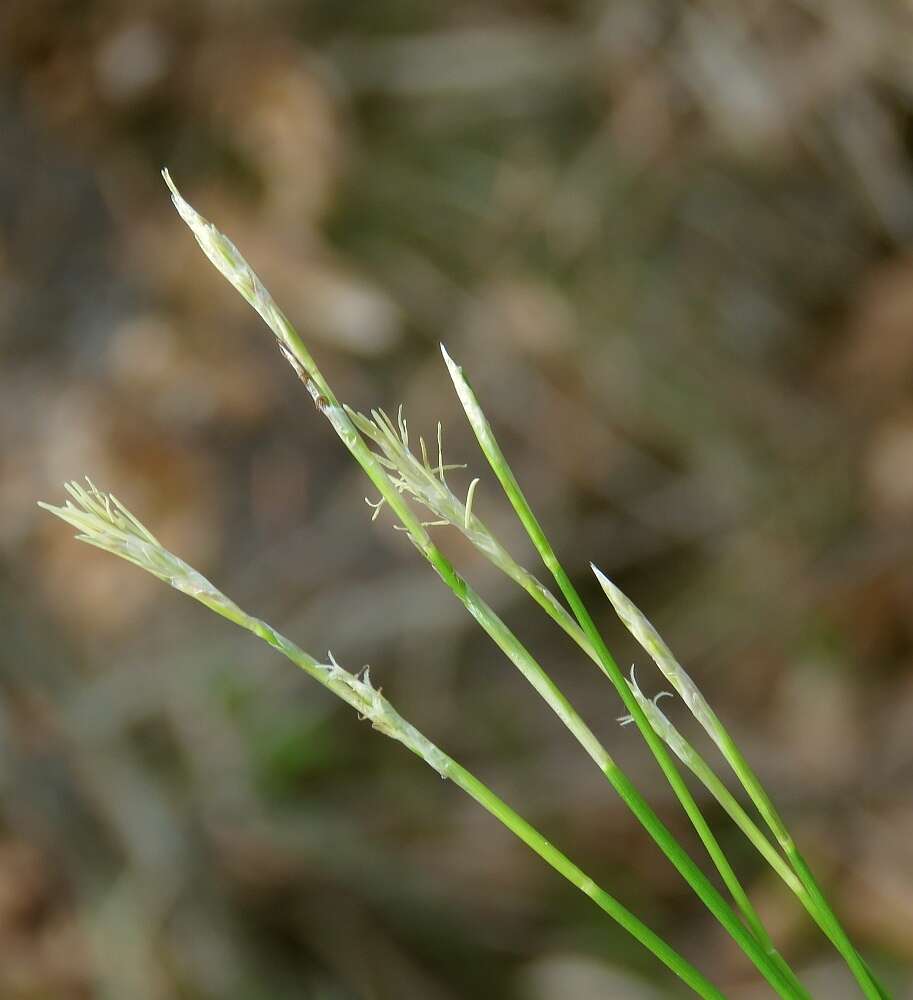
<point x="648" y="637"/>
<point x="499" y="465"/>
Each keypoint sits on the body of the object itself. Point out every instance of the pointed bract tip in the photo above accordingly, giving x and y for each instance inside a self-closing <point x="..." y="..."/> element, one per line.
<point x="452" y="366"/>
<point x="613" y="593"/>
<point x="186" y="211"/>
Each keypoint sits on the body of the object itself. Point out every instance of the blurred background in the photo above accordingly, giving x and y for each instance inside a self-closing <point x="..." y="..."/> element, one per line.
<point x="671" y="244"/>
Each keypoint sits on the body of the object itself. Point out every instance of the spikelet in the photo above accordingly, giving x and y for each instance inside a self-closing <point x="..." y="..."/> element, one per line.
<point x="643" y="631"/>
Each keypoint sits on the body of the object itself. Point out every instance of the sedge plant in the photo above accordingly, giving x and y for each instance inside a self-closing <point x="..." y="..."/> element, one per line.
<point x="402" y="479"/>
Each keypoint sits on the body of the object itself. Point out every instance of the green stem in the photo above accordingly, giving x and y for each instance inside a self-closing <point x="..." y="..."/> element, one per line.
<point x="103" y="521"/>
<point x="533" y="839"/>
<point x="447" y="506"/>
<point x="498" y="462"/>
<point x="385" y="718"/>
<point x="821" y="914"/>
<point x="752" y="785"/>
<point x="652" y="642"/>
<point x="763" y="954"/>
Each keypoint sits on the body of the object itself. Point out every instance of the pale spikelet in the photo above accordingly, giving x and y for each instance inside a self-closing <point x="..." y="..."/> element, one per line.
<point x="103" y="521"/>
<point x="229" y="262"/>
<point x="425" y="481"/>
<point x="658" y="720"/>
<point x="469" y="402"/>
<point x="415" y="476"/>
<point x="643" y="631"/>
<point x="224" y="255"/>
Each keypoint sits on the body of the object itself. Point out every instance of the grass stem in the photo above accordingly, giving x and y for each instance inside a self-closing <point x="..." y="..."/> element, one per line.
<point x="499" y="465"/>
<point x="105" y="523"/>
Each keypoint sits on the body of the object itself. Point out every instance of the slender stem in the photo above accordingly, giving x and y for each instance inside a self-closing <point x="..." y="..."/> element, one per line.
<point x="646" y="634"/>
<point x="822" y="915"/>
<point x="815" y="905"/>
<point x="533" y="839"/>
<point x="424" y="483"/>
<point x="104" y="522"/>
<point x="752" y="785"/>
<point x="441" y="500"/>
<point x="230" y="263"/>
<point x="705" y="774"/>
<point x="499" y="465"/>
<point x="763" y="954"/>
<point x="394" y="725"/>
<point x="427" y="485"/>
<point x="386" y="719"/>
